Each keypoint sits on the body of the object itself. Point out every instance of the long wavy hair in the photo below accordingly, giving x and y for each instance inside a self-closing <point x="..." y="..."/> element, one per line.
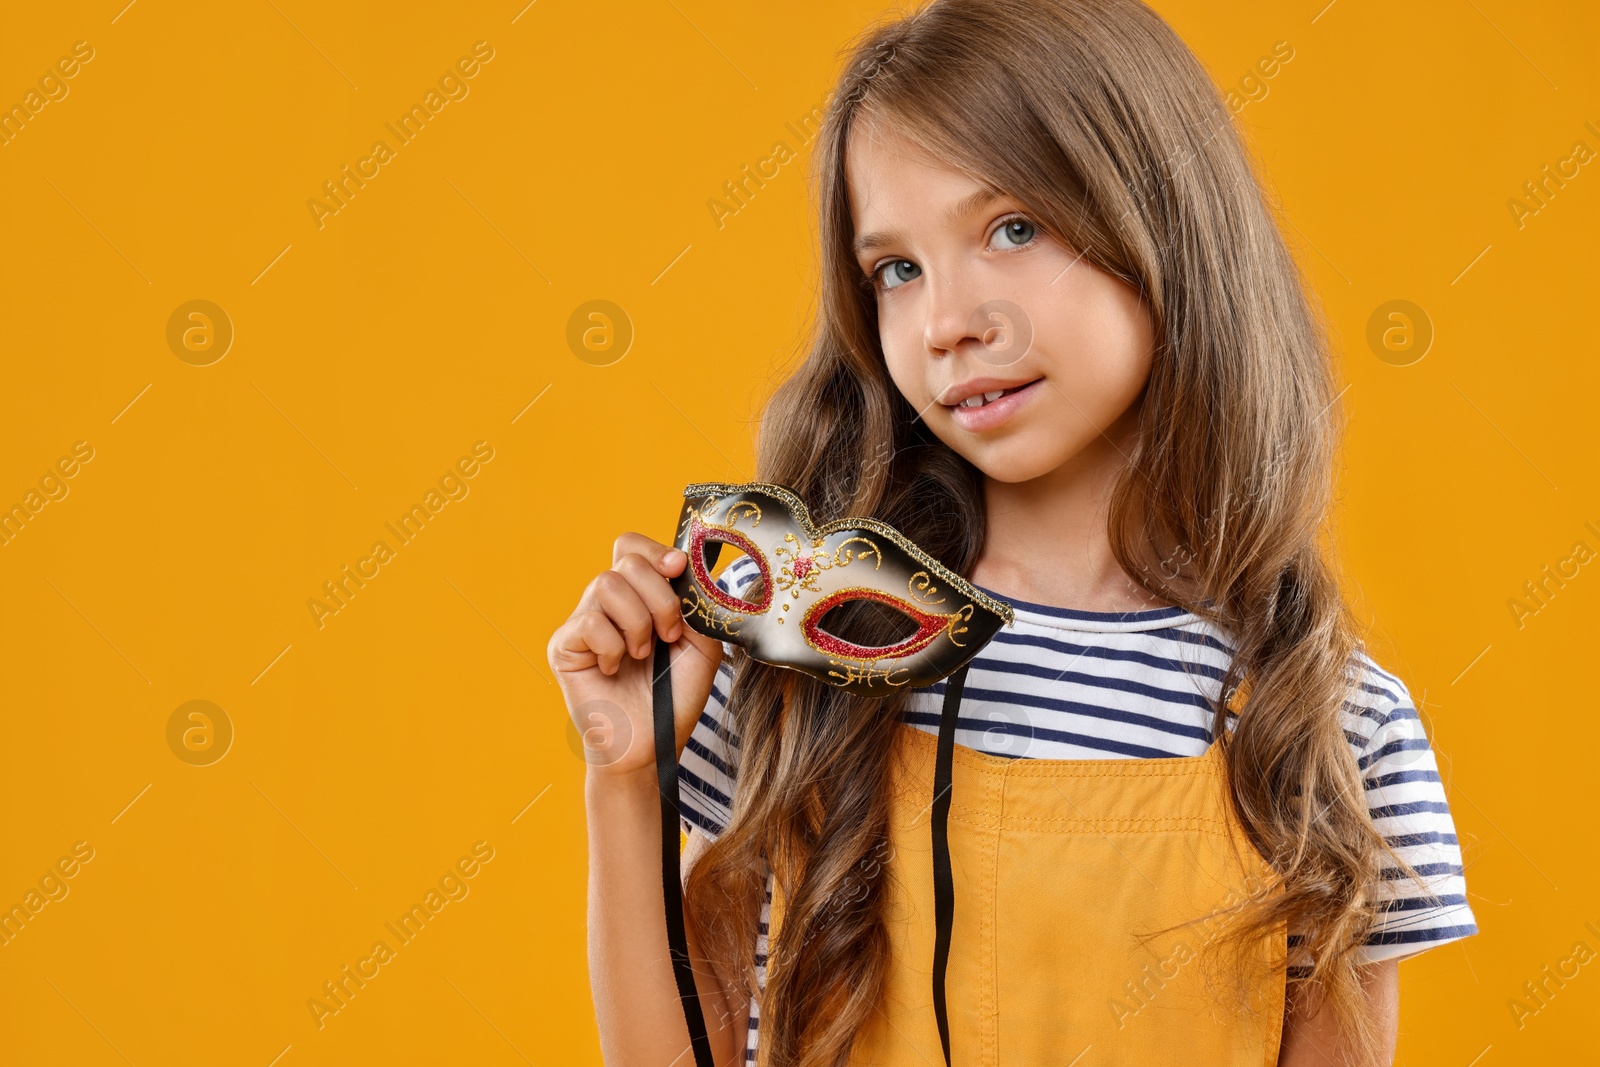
<point x="1096" y="117"/>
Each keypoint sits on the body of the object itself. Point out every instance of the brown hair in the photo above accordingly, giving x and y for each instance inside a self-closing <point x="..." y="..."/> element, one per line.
<point x="1096" y="117"/>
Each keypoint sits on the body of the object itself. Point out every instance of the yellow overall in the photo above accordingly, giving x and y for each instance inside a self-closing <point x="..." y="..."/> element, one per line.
<point x="1058" y="864"/>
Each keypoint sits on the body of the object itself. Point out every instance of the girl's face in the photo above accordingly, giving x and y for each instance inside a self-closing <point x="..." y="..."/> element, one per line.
<point x="1016" y="351"/>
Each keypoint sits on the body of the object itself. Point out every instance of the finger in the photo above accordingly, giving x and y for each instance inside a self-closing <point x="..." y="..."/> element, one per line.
<point x="589" y="639"/>
<point x="620" y="600"/>
<point x="666" y="559"/>
<point x="655" y="593"/>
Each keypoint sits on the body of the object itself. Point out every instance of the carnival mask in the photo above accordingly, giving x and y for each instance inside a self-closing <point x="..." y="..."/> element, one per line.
<point x="807" y="572"/>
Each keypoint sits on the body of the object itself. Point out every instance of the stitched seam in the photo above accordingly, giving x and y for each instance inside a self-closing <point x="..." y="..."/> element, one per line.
<point x="991" y="1033"/>
<point x="1019" y="824"/>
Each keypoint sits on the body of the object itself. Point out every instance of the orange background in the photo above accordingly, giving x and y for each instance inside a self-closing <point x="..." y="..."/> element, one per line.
<point x="371" y="754"/>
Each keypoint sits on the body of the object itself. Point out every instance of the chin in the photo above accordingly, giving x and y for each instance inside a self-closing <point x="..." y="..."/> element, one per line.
<point x="1019" y="460"/>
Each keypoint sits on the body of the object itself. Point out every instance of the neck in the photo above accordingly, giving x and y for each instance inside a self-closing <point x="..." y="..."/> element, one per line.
<point x="1047" y="540"/>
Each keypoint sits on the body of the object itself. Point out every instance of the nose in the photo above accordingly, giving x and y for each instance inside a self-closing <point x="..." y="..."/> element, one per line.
<point x="950" y="306"/>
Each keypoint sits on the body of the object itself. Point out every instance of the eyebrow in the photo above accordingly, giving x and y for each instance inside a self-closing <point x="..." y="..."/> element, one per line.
<point x="961" y="209"/>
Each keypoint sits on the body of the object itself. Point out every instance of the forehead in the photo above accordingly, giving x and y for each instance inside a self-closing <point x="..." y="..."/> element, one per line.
<point x="893" y="181"/>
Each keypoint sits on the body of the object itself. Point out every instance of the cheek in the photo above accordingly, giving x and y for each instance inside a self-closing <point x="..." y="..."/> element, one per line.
<point x="1100" y="349"/>
<point x="903" y="356"/>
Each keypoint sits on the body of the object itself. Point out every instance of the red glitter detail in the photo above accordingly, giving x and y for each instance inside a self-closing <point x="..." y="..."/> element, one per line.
<point x="699" y="534"/>
<point x="928" y="627"/>
<point x="802" y="566"/>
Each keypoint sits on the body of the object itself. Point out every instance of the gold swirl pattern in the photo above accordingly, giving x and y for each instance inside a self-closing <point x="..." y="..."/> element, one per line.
<point x="921" y="588"/>
<point x="742" y="509"/>
<point x="867" y="675"/>
<point x="713" y="616"/>
<point x="962" y="615"/>
<point x="849" y="553"/>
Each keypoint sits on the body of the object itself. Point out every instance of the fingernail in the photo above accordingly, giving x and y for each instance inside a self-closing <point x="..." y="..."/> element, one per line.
<point x="673" y="555"/>
<point x="676" y="632"/>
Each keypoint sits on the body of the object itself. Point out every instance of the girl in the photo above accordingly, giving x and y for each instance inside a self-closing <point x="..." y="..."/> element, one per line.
<point x="1061" y="345"/>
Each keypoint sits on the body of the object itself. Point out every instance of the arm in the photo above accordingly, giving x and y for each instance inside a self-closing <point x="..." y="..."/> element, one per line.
<point x="603" y="658"/>
<point x="1310" y="1040"/>
<point x="635" y="995"/>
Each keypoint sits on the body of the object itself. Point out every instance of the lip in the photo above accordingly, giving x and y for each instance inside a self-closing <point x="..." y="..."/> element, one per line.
<point x="973" y="386"/>
<point x="996" y="412"/>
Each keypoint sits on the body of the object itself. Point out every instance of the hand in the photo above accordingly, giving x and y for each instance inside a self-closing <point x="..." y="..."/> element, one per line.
<point x="603" y="657"/>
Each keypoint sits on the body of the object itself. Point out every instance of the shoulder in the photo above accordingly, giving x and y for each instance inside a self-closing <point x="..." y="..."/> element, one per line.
<point x="1381" y="720"/>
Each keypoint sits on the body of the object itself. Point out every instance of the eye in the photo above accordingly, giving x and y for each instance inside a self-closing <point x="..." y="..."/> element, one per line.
<point x="893" y="273"/>
<point x="1014" y="232"/>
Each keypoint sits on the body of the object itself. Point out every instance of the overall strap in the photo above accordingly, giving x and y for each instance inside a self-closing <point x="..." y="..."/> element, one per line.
<point x="944" y="893"/>
<point x="671" y="874"/>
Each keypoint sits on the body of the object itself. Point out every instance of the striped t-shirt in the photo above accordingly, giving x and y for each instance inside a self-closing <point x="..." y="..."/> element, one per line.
<point x="1065" y="684"/>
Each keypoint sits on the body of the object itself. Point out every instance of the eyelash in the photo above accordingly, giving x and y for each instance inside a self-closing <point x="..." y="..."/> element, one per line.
<point x="874" y="279"/>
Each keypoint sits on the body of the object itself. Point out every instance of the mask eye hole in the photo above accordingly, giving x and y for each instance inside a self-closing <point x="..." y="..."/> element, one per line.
<point x="738" y="570"/>
<point x="865" y="624"/>
<point x="868" y="623"/>
<point x="706" y="544"/>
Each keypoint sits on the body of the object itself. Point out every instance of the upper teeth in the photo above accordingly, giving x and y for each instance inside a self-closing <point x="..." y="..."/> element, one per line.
<point x="980" y="399"/>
